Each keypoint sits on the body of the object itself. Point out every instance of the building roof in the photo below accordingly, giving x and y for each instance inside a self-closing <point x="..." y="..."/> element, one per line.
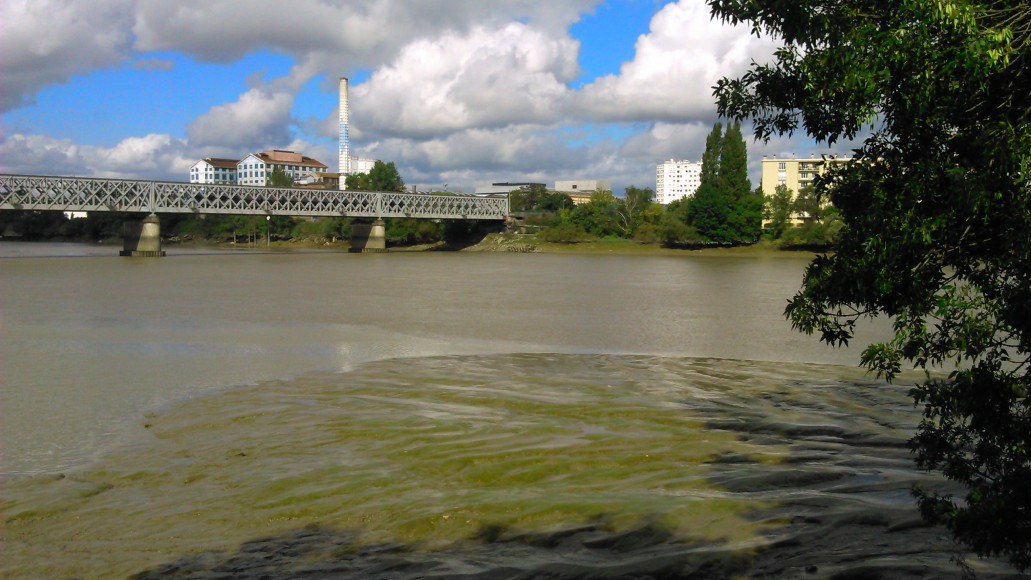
<point x="281" y="157"/>
<point x="219" y="162"/>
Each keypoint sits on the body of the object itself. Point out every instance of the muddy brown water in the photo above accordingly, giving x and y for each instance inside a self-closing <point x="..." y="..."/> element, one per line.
<point x="443" y="415"/>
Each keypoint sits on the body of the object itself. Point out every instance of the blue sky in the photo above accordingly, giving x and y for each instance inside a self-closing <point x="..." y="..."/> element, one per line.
<point x="458" y="91"/>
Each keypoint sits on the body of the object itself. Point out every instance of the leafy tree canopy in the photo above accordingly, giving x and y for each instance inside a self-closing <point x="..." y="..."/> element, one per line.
<point x="537" y="198"/>
<point x="279" y="178"/>
<point x="936" y="219"/>
<point x="382" y="177"/>
<point x="723" y="209"/>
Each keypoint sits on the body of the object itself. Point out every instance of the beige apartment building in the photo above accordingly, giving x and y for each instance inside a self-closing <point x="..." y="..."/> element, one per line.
<point x="795" y="173"/>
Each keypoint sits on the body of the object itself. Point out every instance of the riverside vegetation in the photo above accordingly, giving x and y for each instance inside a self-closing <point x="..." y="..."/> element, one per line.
<point x="724" y="212"/>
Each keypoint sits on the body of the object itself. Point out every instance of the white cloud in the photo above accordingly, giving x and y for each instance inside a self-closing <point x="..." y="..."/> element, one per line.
<point x="153" y="156"/>
<point x="663" y="141"/>
<point x="485" y="79"/>
<point x="674" y="69"/>
<point x="40" y="155"/>
<point x="259" y="118"/>
<point x="48" y="41"/>
<point x="461" y="91"/>
<point x="351" y="34"/>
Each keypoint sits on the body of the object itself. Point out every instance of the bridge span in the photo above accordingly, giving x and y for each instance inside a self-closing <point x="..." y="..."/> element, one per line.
<point x="54" y="193"/>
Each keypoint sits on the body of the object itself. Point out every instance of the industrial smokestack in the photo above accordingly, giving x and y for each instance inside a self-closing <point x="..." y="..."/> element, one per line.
<point x="345" y="142"/>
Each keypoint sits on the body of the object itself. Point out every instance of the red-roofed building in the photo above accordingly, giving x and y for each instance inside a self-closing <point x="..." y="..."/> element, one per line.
<point x="256" y="167"/>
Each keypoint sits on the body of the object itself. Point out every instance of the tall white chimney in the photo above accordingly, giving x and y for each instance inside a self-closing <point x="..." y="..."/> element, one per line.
<point x="345" y="142"/>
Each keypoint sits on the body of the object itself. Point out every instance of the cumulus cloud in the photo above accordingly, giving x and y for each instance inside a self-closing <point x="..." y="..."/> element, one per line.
<point x="485" y="79"/>
<point x="358" y="34"/>
<point x="41" y="155"/>
<point x="674" y="69"/>
<point x="663" y="141"/>
<point x="260" y="117"/>
<point x="154" y="156"/>
<point x="466" y="159"/>
<point x="460" y="91"/>
<point x="49" y="41"/>
<point x="524" y="150"/>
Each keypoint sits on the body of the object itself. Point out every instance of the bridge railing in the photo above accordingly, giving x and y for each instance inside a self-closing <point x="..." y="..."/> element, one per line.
<point x="40" y="192"/>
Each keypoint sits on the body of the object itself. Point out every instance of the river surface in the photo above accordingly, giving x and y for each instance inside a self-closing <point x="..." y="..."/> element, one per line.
<point x="247" y="414"/>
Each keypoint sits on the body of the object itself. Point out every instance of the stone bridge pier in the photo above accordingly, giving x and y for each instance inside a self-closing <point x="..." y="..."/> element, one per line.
<point x="369" y="238"/>
<point x="142" y="239"/>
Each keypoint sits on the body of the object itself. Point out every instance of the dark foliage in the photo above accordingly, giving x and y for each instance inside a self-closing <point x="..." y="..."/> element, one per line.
<point x="936" y="219"/>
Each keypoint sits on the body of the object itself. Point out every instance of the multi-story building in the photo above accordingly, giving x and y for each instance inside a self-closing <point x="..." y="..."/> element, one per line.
<point x="214" y="170"/>
<point x="796" y="173"/>
<point x="256" y="167"/>
<point x="676" y="179"/>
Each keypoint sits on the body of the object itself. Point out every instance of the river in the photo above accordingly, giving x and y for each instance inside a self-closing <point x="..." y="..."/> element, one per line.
<point x="441" y="414"/>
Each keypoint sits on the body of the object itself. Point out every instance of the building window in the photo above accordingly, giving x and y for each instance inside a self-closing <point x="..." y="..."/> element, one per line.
<point x="782" y="166"/>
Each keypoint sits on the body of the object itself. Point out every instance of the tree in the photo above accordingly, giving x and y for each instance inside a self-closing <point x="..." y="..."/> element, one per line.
<point x="807" y="205"/>
<point x="936" y="213"/>
<point x="723" y="209"/>
<point x="527" y="197"/>
<point x="777" y="209"/>
<point x="279" y="178"/>
<point x="600" y="216"/>
<point x="555" y="201"/>
<point x="711" y="155"/>
<point x="732" y="174"/>
<point x="635" y="201"/>
<point x="673" y="227"/>
<point x="382" y="177"/>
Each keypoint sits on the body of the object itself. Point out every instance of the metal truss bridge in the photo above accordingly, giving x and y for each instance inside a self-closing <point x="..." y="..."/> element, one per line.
<point x="40" y="192"/>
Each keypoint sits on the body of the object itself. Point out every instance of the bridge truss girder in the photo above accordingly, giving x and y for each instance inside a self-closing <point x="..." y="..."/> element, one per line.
<point x="38" y="192"/>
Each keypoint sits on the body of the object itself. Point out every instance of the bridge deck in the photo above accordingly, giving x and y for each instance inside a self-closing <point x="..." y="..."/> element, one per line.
<point x="40" y="192"/>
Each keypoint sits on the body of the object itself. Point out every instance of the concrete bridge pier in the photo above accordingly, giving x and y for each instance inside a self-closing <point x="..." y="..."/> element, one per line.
<point x="369" y="238"/>
<point x="142" y="239"/>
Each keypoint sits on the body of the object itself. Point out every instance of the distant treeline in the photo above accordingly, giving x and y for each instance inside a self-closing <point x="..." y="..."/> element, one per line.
<point x="724" y="211"/>
<point x="96" y="226"/>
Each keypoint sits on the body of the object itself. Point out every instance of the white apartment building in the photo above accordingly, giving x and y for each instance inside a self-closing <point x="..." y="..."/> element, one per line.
<point x="214" y="170"/>
<point x="676" y="179"/>
<point x="256" y="167"/>
<point x="361" y="165"/>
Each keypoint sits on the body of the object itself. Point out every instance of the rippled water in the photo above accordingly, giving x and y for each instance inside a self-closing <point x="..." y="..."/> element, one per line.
<point x="500" y="464"/>
<point x="409" y="417"/>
